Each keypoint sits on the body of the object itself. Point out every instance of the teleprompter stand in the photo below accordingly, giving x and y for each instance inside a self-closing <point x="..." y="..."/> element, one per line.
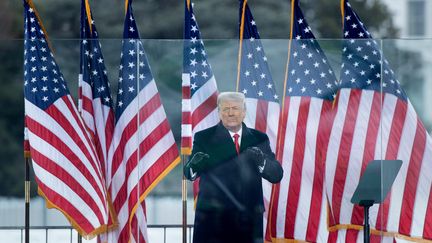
<point x="373" y="187"/>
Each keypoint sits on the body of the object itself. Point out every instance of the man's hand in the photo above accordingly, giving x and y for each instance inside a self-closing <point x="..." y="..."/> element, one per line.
<point x="257" y="156"/>
<point x="196" y="159"/>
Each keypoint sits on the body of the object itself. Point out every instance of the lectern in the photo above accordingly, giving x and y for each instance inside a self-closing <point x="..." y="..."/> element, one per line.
<point x="374" y="185"/>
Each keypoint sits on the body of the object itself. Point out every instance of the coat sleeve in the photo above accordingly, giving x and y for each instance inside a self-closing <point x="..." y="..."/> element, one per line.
<point x="272" y="171"/>
<point x="192" y="174"/>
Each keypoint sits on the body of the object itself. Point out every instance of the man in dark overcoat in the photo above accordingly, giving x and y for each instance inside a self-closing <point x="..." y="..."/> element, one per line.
<point x="231" y="159"/>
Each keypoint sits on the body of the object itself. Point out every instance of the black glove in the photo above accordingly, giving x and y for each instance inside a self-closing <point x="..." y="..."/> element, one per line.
<point x="255" y="154"/>
<point x="194" y="162"/>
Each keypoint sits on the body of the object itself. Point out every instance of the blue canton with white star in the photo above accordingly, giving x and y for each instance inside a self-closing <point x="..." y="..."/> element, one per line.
<point x="363" y="66"/>
<point x="135" y="71"/>
<point x="309" y="72"/>
<point x="43" y="82"/>
<point x="195" y="57"/>
<point x="92" y="61"/>
<point x="255" y="78"/>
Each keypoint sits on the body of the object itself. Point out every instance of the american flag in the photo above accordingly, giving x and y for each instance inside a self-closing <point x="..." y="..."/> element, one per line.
<point x="298" y="208"/>
<point x="255" y="81"/>
<point x="375" y="120"/>
<point x="65" y="162"/>
<point x="95" y="103"/>
<point x="143" y="149"/>
<point x="199" y="89"/>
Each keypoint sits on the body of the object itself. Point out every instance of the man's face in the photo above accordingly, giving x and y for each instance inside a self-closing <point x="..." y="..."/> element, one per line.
<point x="232" y="114"/>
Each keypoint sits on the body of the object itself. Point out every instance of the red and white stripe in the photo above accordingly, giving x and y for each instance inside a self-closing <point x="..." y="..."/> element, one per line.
<point x="99" y="120"/>
<point x="298" y="204"/>
<point x="66" y="165"/>
<point x="199" y="111"/>
<point x="369" y="125"/>
<point x="142" y="152"/>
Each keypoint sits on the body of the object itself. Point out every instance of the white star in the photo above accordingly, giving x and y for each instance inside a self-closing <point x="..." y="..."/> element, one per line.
<point x="131" y="77"/>
<point x="306" y="72"/>
<point x="100" y="60"/>
<point x="256" y="65"/>
<point x="193" y="39"/>
<point x="316" y="64"/>
<point x="310" y="55"/>
<point x="300" y="21"/>
<point x="322" y="75"/>
<point x="297" y="80"/>
<point x="142" y="76"/>
<point x="356" y="64"/>
<point x="204" y="63"/>
<point x="303" y="89"/>
<point x="244" y="91"/>
<point x="253" y="83"/>
<point x="289" y="90"/>
<point x="131" y="29"/>
<point x="269" y="85"/>
<point x="107" y="99"/>
<point x="120" y="104"/>
<point x="45" y="98"/>
<point x="353" y="80"/>
<point x="319" y="91"/>
<point x="249" y="55"/>
<point x="329" y="85"/>
<point x="313" y="81"/>
<point x="34" y="90"/>
<point x="275" y="97"/>
<point x="300" y="63"/>
<point x="362" y="73"/>
<point x="193" y="62"/>
<point x="194" y="28"/>
<point x="131" y="89"/>
<point x="204" y="74"/>
<point x="247" y="73"/>
<point x="354" y="26"/>
<point x="251" y="39"/>
<point x="262" y="75"/>
<point x="260" y="93"/>
<point x="369" y="81"/>
<point x="193" y="51"/>
<point x="132" y="52"/>
<point x="193" y="74"/>
<point x="131" y="65"/>
<point x="56" y="90"/>
<point x="258" y="48"/>
<point x="253" y="22"/>
<point x="193" y="86"/>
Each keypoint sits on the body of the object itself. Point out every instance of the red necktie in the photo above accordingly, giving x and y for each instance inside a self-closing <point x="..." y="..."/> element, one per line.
<point x="236" y="142"/>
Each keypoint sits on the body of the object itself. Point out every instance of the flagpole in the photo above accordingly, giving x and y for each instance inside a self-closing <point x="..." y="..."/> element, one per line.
<point x="27" y="199"/>
<point x="240" y="44"/>
<point x="184" y="201"/>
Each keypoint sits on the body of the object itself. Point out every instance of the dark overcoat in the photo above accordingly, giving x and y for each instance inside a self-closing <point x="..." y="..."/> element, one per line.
<point x="230" y="200"/>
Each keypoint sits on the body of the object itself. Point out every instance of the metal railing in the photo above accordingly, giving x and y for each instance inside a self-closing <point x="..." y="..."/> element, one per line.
<point x="79" y="238"/>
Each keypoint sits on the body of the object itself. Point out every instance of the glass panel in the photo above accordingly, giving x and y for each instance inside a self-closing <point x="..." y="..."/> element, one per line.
<point x="334" y="158"/>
